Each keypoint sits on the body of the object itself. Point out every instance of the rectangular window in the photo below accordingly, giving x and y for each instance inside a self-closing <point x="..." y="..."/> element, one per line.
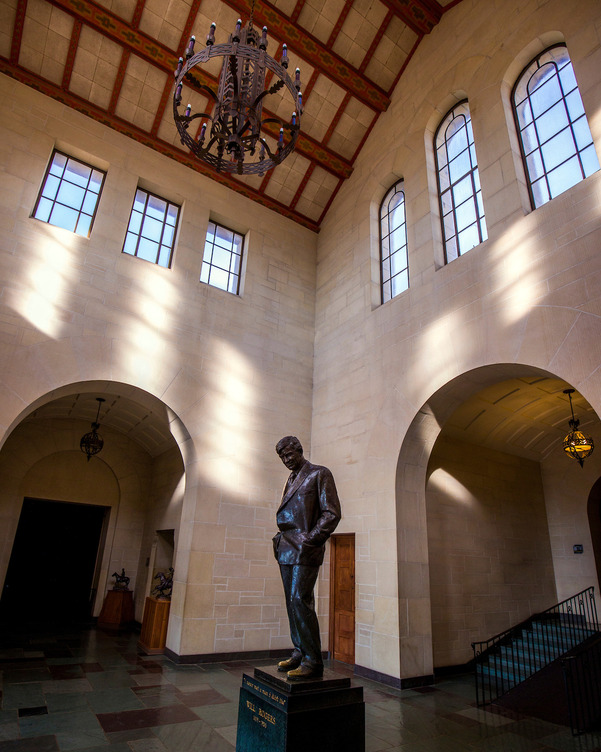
<point x="152" y="226"/>
<point x="70" y="194"/>
<point x="222" y="258"/>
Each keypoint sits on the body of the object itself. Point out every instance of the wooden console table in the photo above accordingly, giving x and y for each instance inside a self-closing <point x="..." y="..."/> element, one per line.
<point x="154" y="626"/>
<point x="117" y="609"/>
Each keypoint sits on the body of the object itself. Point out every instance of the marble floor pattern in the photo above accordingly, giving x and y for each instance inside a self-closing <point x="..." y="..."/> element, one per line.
<point x="93" y="691"/>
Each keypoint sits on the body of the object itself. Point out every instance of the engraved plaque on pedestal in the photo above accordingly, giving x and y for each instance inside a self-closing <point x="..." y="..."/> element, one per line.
<point x="313" y="715"/>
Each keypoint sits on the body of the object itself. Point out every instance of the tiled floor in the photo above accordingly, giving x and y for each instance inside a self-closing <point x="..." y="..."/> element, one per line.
<point x="92" y="690"/>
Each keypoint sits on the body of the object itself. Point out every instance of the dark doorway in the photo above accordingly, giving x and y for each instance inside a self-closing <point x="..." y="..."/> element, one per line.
<point x="594" y="521"/>
<point x="51" y="570"/>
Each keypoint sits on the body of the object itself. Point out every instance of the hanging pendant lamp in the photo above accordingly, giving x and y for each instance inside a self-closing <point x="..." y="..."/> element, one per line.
<point x="576" y="445"/>
<point x="91" y="443"/>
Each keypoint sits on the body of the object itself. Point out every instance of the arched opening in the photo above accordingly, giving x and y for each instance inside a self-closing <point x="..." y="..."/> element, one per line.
<point x="489" y="509"/>
<point x="134" y="490"/>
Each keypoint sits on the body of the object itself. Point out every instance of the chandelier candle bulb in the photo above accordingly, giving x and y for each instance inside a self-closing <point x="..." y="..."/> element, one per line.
<point x="237" y="30"/>
<point x="188" y="110"/>
<point x="284" y="60"/>
<point x="178" y="93"/>
<point x="263" y="42"/>
<point x="211" y="34"/>
<point x="180" y="65"/>
<point x="190" y="50"/>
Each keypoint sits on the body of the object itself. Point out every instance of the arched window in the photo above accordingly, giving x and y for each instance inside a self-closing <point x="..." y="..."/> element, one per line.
<point x="555" y="140"/>
<point x="461" y="209"/>
<point x="393" y="243"/>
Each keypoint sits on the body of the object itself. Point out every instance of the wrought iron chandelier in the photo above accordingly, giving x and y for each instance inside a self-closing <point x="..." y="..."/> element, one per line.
<point x="576" y="444"/>
<point x="228" y="137"/>
<point x="91" y="443"/>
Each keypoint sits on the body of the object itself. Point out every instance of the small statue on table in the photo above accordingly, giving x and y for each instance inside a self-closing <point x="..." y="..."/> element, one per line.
<point x="162" y="591"/>
<point x="121" y="581"/>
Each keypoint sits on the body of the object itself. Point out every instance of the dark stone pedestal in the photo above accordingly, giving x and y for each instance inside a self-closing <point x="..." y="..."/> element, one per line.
<point x="313" y="715"/>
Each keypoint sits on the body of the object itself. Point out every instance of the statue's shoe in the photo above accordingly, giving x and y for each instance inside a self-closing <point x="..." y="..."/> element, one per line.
<point x="306" y="672"/>
<point x="289" y="663"/>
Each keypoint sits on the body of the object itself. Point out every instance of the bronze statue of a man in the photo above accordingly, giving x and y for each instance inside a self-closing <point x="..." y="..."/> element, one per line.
<point x="307" y="516"/>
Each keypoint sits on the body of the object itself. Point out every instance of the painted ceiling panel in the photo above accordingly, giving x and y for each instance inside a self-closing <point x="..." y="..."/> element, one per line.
<point x="114" y="59"/>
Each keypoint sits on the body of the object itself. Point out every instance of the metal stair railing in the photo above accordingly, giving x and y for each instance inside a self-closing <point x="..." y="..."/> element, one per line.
<point x="505" y="660"/>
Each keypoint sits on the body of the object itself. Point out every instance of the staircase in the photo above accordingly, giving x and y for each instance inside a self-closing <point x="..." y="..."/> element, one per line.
<point x="506" y="660"/>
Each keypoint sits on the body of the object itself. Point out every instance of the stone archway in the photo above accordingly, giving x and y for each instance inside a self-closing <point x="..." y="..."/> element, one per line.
<point x="413" y="544"/>
<point x="40" y="457"/>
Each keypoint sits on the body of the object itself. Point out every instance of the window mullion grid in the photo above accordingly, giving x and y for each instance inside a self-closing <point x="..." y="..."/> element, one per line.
<point x="474" y="198"/>
<point x="567" y="152"/>
<point x="545" y="174"/>
<point x="163" y="226"/>
<point x="388" y="255"/>
<point x="146" y="197"/>
<point x="453" y="209"/>
<point x="564" y="96"/>
<point x="382" y="258"/>
<point x="441" y="193"/>
<point x="521" y="131"/>
<point x="539" y="141"/>
<point x="85" y="191"/>
<point x="576" y="147"/>
<point x="230" y="260"/>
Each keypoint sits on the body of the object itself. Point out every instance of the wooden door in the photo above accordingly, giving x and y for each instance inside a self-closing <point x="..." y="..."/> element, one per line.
<point x="342" y="598"/>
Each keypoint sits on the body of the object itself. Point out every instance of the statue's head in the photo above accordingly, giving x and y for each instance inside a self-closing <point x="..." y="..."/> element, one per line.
<point x="290" y="451"/>
<point x="288" y="441"/>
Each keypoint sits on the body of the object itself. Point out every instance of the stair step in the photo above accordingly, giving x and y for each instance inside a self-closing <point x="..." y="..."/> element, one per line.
<point x="504" y="676"/>
<point x="506" y="661"/>
<point x="541" y="650"/>
<point x="524" y="665"/>
<point x="559" y="629"/>
<point x="525" y="656"/>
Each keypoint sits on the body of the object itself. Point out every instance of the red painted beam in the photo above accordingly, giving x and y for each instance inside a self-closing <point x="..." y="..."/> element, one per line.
<point x="420" y="15"/>
<point x="314" y="52"/>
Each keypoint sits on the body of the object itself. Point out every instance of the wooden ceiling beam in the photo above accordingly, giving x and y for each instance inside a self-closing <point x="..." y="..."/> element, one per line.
<point x="309" y="48"/>
<point x="420" y="15"/>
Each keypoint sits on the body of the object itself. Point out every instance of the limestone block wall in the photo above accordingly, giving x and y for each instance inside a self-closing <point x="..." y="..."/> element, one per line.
<point x="489" y="546"/>
<point x="233" y="373"/>
<point x="527" y="297"/>
<point x="163" y="512"/>
<point x="566" y="493"/>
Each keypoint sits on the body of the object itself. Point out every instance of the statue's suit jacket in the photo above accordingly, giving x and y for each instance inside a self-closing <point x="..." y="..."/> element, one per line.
<point x="308" y="515"/>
